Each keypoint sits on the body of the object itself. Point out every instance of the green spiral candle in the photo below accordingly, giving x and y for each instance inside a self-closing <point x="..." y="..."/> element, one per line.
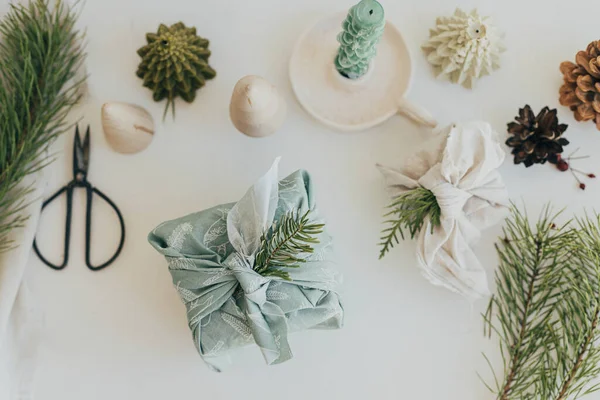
<point x="363" y="29"/>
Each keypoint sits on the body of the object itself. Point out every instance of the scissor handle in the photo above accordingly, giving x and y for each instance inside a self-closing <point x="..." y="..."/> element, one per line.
<point x="69" y="190"/>
<point x="88" y="228"/>
<point x="88" y="225"/>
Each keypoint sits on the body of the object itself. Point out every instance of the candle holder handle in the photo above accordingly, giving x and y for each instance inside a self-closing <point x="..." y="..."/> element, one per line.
<point x="416" y="113"/>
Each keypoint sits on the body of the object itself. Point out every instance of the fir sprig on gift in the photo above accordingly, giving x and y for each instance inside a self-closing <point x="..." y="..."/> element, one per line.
<point x="286" y="244"/>
<point x="40" y="53"/>
<point x="409" y="211"/>
<point x="546" y="308"/>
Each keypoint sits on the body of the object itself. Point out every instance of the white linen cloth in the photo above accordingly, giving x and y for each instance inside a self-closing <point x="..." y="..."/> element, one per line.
<point x="19" y="320"/>
<point x="460" y="167"/>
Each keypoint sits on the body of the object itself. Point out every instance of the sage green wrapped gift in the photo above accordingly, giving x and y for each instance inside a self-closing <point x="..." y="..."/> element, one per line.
<point x="211" y="256"/>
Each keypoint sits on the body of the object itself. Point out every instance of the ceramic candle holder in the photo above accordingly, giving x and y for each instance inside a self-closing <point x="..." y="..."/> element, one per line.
<point x="353" y="105"/>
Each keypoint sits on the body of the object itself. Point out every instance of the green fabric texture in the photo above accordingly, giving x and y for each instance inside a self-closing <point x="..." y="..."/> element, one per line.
<point x="228" y="304"/>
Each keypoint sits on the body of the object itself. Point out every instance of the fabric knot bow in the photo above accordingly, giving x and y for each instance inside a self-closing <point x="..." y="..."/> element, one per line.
<point x="460" y="168"/>
<point x="450" y="198"/>
<point x="211" y="260"/>
<point x="251" y="283"/>
<point x="266" y="320"/>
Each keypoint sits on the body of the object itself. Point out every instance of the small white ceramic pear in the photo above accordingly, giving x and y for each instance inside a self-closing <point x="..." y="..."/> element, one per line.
<point x="257" y="108"/>
<point x="128" y="128"/>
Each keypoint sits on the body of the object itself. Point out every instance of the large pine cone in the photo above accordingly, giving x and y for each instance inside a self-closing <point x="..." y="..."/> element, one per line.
<point x="581" y="90"/>
<point x="536" y="139"/>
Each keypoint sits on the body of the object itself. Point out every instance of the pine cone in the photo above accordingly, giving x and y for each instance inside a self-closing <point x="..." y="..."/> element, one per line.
<point x="581" y="90"/>
<point x="536" y="139"/>
<point x="175" y="63"/>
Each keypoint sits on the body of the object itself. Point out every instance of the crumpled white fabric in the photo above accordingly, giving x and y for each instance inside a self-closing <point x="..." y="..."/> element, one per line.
<point x="460" y="168"/>
<point x="20" y="320"/>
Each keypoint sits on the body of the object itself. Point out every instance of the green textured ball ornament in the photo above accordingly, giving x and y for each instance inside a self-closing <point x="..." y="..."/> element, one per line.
<point x="175" y="64"/>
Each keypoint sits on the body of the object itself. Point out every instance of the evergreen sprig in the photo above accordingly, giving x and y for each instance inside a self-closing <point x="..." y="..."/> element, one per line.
<point x="409" y="211"/>
<point x="40" y="53"/>
<point x="578" y="334"/>
<point x="286" y="244"/>
<point x="546" y="308"/>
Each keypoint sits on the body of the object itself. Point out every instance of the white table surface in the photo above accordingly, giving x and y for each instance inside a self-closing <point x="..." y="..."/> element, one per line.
<point x="121" y="334"/>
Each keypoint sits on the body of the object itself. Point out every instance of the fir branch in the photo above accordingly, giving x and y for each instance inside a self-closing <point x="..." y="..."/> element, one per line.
<point x="409" y="211"/>
<point x="40" y="53"/>
<point x="285" y="244"/>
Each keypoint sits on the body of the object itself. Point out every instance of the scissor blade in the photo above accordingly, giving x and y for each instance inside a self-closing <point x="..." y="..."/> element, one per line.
<point x="86" y="149"/>
<point x="79" y="155"/>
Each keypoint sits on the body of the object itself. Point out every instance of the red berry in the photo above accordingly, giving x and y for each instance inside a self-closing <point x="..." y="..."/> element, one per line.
<point x="582" y="186"/>
<point x="562" y="165"/>
<point x="591" y="176"/>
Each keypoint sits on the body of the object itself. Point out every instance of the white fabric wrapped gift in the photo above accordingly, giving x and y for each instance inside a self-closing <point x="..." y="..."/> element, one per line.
<point x="460" y="167"/>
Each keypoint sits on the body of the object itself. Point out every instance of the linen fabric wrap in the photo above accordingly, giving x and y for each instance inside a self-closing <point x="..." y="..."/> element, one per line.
<point x="460" y="167"/>
<point x="211" y="254"/>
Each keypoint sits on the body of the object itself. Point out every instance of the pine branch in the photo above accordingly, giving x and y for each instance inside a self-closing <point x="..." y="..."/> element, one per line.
<point x="285" y="244"/>
<point x="409" y="211"/>
<point x="580" y="358"/>
<point x="526" y="280"/>
<point x="579" y="316"/>
<point x="547" y="308"/>
<point x="40" y="54"/>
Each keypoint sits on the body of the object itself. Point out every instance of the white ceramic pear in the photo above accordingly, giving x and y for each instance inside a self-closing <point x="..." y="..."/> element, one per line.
<point x="257" y="108"/>
<point x="128" y="128"/>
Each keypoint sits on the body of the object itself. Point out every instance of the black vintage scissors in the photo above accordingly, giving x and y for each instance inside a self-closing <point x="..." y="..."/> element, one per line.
<point x="81" y="160"/>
